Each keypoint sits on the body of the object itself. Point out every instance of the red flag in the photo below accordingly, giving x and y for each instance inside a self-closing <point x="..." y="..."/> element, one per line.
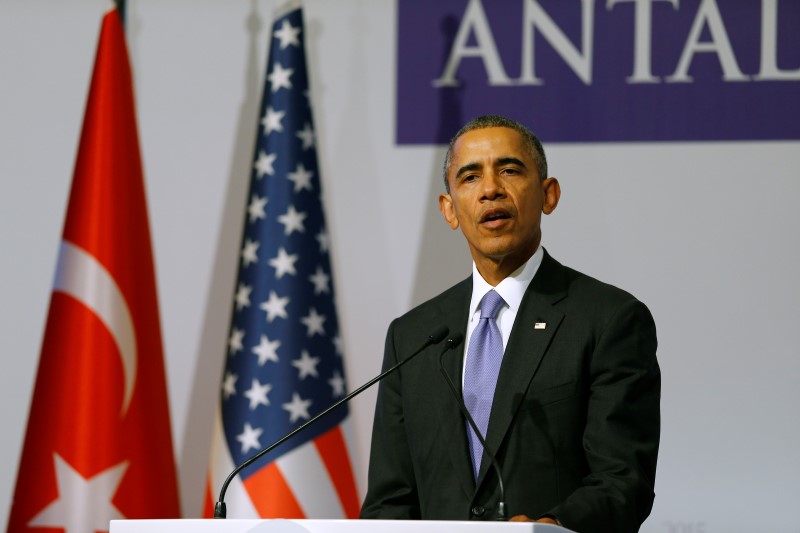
<point x="98" y="444"/>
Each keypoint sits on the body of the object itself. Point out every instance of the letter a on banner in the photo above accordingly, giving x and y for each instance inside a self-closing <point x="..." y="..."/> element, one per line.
<point x="98" y="444"/>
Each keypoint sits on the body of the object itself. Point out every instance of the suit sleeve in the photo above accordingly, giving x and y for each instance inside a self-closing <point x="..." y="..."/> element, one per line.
<point x="622" y="429"/>
<point x="392" y="492"/>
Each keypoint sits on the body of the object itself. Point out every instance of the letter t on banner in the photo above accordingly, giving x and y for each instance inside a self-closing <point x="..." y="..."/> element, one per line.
<point x="98" y="444"/>
<point x="284" y="361"/>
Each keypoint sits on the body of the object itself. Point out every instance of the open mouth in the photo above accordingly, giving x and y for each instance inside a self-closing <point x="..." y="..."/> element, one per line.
<point x="494" y="215"/>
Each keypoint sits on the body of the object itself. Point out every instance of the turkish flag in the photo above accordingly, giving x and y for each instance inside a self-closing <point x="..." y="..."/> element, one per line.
<point x="98" y="443"/>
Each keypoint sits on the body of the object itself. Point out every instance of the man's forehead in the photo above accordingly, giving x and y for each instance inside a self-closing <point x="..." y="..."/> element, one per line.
<point x="494" y="143"/>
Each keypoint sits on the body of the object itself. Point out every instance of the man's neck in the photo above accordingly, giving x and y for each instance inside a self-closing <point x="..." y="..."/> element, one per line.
<point x="495" y="271"/>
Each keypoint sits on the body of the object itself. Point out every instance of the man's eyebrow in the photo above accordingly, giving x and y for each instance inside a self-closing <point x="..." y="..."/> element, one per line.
<point x="510" y="161"/>
<point x="468" y="168"/>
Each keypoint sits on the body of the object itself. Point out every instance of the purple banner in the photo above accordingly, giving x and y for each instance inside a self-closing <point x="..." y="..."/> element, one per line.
<point x="604" y="70"/>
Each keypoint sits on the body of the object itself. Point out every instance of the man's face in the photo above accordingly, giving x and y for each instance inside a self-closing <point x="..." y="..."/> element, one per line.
<point x="497" y="197"/>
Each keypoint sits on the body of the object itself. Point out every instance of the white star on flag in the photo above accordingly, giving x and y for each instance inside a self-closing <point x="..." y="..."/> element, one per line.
<point x="264" y="164"/>
<point x="337" y="384"/>
<point x="292" y="221"/>
<point x="288" y="35"/>
<point x="267" y="350"/>
<point x="235" y="341"/>
<point x="249" y="254"/>
<point x="284" y="263"/>
<point x="320" y="280"/>
<point x="229" y="385"/>
<point x="306" y="365"/>
<point x="313" y="321"/>
<point x="307" y="136"/>
<point x="83" y="504"/>
<point x="243" y="296"/>
<point x="256" y="208"/>
<point x="301" y="178"/>
<point x="257" y="394"/>
<point x="279" y="77"/>
<point x="322" y="239"/>
<point x="272" y="120"/>
<point x="337" y="344"/>
<point x="249" y="438"/>
<point x="275" y="306"/>
<point x="298" y="408"/>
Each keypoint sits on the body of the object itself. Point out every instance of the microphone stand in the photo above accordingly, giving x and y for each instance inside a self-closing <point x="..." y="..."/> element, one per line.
<point x="501" y="509"/>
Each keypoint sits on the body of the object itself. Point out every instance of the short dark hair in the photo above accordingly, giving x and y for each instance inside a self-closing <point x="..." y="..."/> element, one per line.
<point x="531" y="141"/>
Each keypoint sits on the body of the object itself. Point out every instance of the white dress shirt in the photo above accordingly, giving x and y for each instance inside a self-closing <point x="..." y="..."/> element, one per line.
<point x="511" y="289"/>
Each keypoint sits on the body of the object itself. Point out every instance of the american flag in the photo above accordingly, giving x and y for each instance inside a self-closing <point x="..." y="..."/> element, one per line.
<point x="284" y="356"/>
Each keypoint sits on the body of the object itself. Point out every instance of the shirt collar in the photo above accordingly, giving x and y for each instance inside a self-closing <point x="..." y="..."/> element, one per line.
<point x="511" y="289"/>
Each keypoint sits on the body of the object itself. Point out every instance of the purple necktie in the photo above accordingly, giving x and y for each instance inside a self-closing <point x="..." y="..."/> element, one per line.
<point x="484" y="356"/>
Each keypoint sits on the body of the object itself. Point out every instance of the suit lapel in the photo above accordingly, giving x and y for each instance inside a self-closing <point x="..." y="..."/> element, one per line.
<point x="456" y="311"/>
<point x="535" y="326"/>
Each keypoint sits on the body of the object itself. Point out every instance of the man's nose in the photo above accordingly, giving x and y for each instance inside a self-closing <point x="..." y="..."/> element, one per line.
<point x="492" y="186"/>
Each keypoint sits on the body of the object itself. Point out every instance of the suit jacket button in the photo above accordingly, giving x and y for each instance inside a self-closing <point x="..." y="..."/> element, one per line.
<point x="478" y="510"/>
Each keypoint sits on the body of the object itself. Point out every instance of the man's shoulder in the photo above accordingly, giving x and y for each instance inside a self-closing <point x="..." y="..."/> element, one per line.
<point x="584" y="285"/>
<point x="574" y="288"/>
<point x="591" y="300"/>
<point x="439" y="309"/>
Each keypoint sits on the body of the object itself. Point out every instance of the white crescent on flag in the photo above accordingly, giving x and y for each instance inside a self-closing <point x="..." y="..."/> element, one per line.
<point x="79" y="275"/>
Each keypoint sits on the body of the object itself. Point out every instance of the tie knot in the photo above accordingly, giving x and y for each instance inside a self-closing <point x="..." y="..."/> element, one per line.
<point x="490" y="304"/>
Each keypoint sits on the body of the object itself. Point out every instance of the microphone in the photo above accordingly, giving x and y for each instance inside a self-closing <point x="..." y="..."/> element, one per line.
<point x="501" y="509"/>
<point x="220" y="510"/>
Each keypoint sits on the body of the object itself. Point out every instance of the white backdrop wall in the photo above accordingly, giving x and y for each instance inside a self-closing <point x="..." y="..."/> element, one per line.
<point x="705" y="233"/>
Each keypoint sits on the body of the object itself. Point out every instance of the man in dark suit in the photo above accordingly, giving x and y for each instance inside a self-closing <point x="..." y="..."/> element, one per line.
<point x="574" y="412"/>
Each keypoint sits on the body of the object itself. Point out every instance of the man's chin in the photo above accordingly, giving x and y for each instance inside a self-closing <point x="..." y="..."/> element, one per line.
<point x="500" y="252"/>
<point x="499" y="255"/>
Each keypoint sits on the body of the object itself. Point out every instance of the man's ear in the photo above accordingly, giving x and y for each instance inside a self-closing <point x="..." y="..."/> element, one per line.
<point x="552" y="193"/>
<point x="448" y="211"/>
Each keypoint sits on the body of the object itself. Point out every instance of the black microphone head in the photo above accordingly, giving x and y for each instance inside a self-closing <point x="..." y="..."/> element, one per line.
<point x="454" y="340"/>
<point x="438" y="334"/>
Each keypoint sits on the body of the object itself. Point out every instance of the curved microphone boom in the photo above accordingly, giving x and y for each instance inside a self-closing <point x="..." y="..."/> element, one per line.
<point x="435" y="337"/>
<point x="501" y="510"/>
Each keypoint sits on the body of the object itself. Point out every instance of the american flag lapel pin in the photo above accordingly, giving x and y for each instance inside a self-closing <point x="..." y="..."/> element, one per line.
<point x="540" y="325"/>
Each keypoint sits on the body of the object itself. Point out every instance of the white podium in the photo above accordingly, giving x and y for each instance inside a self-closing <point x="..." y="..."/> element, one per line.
<point x="327" y="526"/>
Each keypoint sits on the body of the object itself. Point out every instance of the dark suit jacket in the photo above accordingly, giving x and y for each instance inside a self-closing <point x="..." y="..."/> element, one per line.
<point x="574" y="423"/>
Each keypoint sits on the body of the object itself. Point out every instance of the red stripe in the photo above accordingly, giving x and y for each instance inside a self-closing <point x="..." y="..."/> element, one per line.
<point x="333" y="451"/>
<point x="271" y="495"/>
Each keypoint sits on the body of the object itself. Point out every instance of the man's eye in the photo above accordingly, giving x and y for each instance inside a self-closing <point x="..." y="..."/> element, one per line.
<point x="470" y="177"/>
<point x="510" y="171"/>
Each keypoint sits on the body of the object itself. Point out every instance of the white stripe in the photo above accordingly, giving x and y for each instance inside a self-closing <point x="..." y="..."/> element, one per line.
<point x="237" y="499"/>
<point x="81" y="276"/>
<point x="308" y="479"/>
